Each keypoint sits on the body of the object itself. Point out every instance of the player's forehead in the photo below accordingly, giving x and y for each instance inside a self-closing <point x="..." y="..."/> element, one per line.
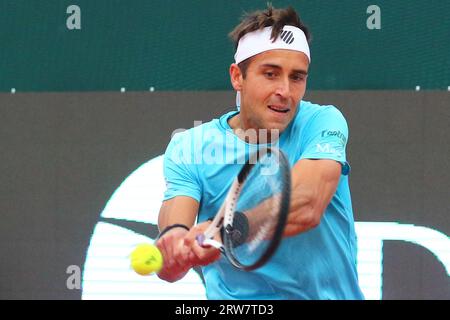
<point x="287" y="60"/>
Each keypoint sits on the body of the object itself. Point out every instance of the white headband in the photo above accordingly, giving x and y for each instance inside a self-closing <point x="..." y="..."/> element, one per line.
<point x="253" y="43"/>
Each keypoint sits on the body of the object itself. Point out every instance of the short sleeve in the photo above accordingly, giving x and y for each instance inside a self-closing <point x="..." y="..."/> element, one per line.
<point x="326" y="137"/>
<point x="179" y="169"/>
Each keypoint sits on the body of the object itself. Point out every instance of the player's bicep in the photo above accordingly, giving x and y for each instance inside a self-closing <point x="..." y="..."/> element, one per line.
<point x="180" y="209"/>
<point x="180" y="170"/>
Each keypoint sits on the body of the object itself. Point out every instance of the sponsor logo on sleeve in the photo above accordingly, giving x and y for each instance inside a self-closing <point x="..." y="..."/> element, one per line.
<point x="334" y="133"/>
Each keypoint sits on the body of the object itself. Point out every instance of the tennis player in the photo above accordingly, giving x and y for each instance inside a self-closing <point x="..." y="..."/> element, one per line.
<point x="317" y="257"/>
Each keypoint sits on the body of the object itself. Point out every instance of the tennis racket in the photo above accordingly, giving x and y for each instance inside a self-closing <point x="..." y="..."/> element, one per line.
<point x="252" y="218"/>
<point x="250" y="221"/>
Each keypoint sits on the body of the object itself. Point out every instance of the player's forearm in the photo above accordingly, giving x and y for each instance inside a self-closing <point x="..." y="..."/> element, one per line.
<point x="179" y="210"/>
<point x="313" y="185"/>
<point x="171" y="217"/>
<point x="305" y="212"/>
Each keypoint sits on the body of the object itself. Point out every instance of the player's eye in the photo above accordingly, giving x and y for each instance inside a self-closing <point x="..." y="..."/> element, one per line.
<point x="269" y="74"/>
<point x="298" y="77"/>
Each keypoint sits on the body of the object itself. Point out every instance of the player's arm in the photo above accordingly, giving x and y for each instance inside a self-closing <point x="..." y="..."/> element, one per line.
<point x="180" y="207"/>
<point x="180" y="210"/>
<point x="314" y="183"/>
<point x="178" y="245"/>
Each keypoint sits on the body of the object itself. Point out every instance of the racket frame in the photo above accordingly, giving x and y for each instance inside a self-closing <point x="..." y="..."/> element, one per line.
<point x="225" y="215"/>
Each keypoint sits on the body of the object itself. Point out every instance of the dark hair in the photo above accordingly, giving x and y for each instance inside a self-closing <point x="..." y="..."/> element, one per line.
<point x="271" y="17"/>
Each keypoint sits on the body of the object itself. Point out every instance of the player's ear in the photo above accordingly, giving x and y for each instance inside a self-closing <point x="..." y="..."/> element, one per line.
<point x="236" y="77"/>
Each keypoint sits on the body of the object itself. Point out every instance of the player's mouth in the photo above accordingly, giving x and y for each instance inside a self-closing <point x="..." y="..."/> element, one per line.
<point x="279" y="109"/>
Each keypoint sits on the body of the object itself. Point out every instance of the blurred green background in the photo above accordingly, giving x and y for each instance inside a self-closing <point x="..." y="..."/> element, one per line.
<point x="183" y="45"/>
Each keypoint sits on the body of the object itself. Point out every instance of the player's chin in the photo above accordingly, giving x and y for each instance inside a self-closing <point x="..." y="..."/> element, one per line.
<point x="277" y="125"/>
<point x="278" y="120"/>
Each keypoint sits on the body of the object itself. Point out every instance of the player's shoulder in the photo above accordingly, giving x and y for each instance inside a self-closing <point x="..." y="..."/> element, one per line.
<point x="313" y="114"/>
<point x="197" y="134"/>
<point x="309" y="110"/>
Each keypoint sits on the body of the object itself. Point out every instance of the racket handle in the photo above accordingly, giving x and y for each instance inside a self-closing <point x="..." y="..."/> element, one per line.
<point x="212" y="243"/>
<point x="200" y="239"/>
<point x="203" y="242"/>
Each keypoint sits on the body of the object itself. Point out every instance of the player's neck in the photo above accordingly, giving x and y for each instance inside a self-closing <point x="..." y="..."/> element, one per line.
<point x="251" y="134"/>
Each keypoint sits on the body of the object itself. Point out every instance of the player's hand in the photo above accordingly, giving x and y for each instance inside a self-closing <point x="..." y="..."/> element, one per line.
<point x="175" y="255"/>
<point x="199" y="255"/>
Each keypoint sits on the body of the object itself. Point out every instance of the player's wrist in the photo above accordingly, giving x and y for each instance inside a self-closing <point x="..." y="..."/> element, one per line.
<point x="171" y="227"/>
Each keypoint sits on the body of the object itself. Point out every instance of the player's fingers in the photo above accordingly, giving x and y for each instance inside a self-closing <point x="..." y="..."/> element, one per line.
<point x="174" y="254"/>
<point x="165" y="246"/>
<point x="199" y="255"/>
<point x="181" y="254"/>
<point x="189" y="242"/>
<point x="204" y="256"/>
<point x="190" y="238"/>
<point x="162" y="246"/>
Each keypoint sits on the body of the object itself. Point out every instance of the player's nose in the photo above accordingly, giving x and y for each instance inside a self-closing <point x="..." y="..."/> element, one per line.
<point x="282" y="89"/>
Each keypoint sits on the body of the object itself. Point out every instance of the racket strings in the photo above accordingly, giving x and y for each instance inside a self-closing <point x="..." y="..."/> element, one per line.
<point x="260" y="203"/>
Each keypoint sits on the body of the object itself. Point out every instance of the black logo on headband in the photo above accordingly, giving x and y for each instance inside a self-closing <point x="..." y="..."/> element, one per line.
<point x="287" y="36"/>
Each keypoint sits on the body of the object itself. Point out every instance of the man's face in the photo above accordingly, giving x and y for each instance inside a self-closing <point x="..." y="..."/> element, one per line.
<point x="272" y="89"/>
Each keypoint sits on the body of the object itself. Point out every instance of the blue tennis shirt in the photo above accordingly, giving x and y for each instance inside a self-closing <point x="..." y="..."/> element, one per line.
<point x="318" y="264"/>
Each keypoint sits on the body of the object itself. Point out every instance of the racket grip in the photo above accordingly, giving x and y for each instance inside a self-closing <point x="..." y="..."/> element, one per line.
<point x="204" y="242"/>
<point x="200" y="239"/>
<point x="212" y="243"/>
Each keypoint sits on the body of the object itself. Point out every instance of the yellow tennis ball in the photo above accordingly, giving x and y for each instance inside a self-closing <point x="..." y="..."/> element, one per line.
<point x="146" y="259"/>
